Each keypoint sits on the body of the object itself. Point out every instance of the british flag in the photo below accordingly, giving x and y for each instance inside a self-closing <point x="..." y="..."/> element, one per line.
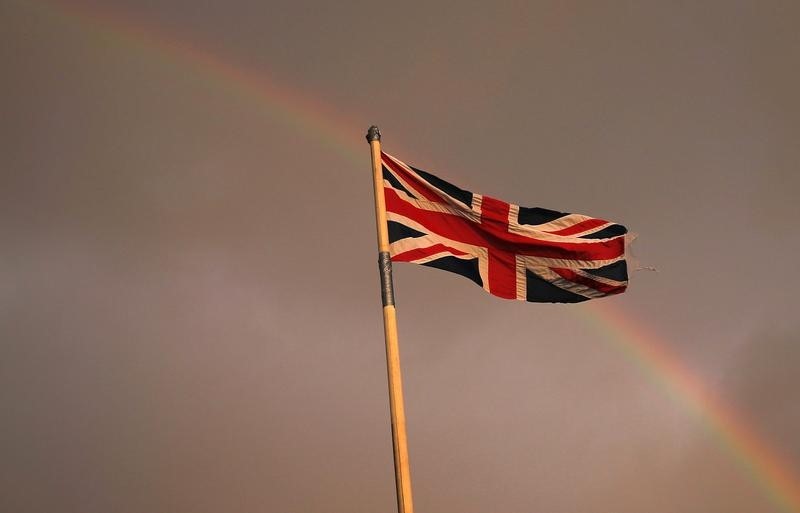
<point x="513" y="252"/>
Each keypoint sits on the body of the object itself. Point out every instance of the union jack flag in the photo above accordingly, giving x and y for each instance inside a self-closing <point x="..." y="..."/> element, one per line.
<point x="513" y="252"/>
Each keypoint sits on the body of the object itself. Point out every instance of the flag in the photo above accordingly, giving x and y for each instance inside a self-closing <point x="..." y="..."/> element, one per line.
<point x="513" y="252"/>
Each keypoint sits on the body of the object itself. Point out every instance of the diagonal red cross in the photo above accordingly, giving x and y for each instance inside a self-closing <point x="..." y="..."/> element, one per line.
<point x="492" y="233"/>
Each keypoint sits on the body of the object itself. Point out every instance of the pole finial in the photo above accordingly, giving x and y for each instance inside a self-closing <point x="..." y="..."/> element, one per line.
<point x="373" y="134"/>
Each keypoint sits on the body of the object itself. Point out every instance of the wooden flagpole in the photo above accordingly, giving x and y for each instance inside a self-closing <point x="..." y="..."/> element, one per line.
<point x="402" y="475"/>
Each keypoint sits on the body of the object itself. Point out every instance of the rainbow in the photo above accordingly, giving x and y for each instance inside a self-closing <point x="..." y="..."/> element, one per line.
<point x="317" y="120"/>
<point x="648" y="351"/>
<point x="752" y="454"/>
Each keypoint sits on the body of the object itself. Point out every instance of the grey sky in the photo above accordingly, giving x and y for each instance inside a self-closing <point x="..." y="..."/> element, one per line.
<point x="189" y="307"/>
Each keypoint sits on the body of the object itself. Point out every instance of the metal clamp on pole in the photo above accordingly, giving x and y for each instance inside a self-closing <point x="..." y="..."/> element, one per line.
<point x="387" y="287"/>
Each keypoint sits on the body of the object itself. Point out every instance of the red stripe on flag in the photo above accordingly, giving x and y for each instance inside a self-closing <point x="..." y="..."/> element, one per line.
<point x="502" y="264"/>
<point x="418" y="185"/>
<point x="417" y="253"/>
<point x="580" y="227"/>
<point x="494" y="235"/>
<point x="503" y="274"/>
<point x="583" y="280"/>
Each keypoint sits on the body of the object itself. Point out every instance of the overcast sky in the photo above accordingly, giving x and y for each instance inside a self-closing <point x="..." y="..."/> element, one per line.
<point x="189" y="301"/>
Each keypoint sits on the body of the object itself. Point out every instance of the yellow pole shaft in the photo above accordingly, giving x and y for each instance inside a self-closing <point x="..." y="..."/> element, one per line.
<point x="402" y="474"/>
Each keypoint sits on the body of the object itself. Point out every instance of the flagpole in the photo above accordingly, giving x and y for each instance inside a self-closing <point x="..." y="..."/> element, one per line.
<point x="402" y="474"/>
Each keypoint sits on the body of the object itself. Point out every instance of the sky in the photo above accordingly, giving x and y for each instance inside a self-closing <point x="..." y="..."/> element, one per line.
<point x="189" y="299"/>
